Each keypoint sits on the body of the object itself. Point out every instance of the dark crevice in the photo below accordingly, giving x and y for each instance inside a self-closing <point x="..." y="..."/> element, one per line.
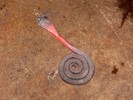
<point x="115" y="70"/>
<point x="2" y="7"/>
<point x="126" y="7"/>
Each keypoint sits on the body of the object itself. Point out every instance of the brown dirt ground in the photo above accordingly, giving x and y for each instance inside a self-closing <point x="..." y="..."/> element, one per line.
<point x="30" y="56"/>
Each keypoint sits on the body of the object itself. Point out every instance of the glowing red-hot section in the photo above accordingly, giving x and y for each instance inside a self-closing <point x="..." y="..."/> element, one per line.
<point x="52" y="30"/>
<point x="48" y="25"/>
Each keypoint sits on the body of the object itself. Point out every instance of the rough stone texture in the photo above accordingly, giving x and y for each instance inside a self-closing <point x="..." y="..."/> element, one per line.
<point x="29" y="55"/>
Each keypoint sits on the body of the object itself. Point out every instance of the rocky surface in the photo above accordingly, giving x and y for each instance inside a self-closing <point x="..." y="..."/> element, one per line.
<point x="30" y="56"/>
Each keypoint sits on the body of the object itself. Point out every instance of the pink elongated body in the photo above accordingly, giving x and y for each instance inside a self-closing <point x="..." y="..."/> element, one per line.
<point x="52" y="30"/>
<point x="48" y="25"/>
